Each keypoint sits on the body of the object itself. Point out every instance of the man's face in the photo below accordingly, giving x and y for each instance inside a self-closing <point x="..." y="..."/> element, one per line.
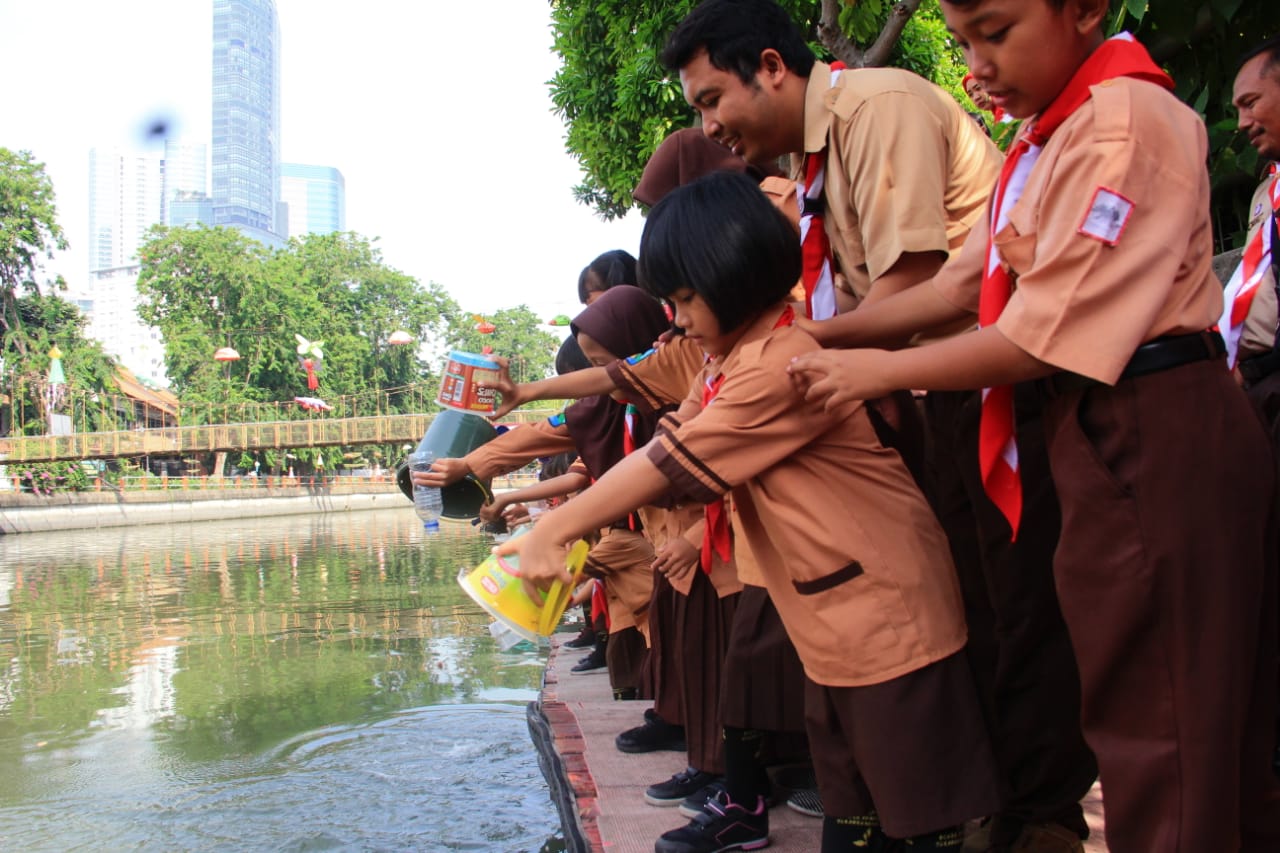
<point x="738" y="115"/>
<point x="978" y="95"/>
<point x="1257" y="98"/>
<point x="1023" y="52"/>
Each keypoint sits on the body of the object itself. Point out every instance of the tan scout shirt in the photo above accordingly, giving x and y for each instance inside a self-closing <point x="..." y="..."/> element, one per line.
<point x="907" y="169"/>
<point x="853" y="558"/>
<point x="517" y="447"/>
<point x="1259" y="334"/>
<point x="688" y="521"/>
<point x="660" y="376"/>
<point x="1084" y="303"/>
<point x="624" y="559"/>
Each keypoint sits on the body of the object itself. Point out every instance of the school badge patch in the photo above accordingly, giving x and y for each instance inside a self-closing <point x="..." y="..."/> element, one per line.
<point x="640" y="356"/>
<point x="1108" y="215"/>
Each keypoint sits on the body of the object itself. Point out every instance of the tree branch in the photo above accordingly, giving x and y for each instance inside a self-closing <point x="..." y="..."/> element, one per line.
<point x="879" y="52"/>
<point x="834" y="39"/>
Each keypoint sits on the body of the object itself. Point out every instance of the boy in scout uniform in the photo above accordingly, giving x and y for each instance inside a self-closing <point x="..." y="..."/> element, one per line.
<point x="894" y="174"/>
<point x="1094" y="277"/>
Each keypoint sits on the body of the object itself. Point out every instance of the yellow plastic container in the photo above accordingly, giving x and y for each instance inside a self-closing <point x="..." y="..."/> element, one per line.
<point x="496" y="586"/>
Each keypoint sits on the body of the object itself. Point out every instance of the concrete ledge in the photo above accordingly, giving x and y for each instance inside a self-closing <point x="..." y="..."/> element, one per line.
<point x="101" y="509"/>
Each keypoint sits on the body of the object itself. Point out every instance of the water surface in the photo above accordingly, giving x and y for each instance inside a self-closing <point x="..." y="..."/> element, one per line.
<point x="298" y="683"/>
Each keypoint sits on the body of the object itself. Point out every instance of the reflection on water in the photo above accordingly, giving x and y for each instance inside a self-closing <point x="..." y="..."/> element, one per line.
<point x="308" y="682"/>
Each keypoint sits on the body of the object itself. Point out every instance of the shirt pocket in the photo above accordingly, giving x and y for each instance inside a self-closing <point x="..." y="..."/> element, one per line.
<point x="1017" y="249"/>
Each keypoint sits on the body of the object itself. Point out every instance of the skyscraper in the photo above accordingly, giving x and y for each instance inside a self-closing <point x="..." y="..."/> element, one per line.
<point x="317" y="198"/>
<point x="246" y="118"/>
<point x="124" y="201"/>
<point x="186" y="184"/>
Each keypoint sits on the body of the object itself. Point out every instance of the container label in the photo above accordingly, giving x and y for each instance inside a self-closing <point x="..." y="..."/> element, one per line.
<point x="460" y="388"/>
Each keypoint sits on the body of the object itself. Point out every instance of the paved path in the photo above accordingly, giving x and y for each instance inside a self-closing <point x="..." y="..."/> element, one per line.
<point x="602" y="789"/>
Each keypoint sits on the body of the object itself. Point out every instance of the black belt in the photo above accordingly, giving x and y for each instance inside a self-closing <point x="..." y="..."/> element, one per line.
<point x="1259" y="367"/>
<point x="1152" y="357"/>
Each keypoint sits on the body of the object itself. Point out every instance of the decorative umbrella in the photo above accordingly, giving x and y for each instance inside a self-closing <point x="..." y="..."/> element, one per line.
<point x="400" y="338"/>
<point x="226" y="354"/>
<point x="559" y="320"/>
<point x="313" y="404"/>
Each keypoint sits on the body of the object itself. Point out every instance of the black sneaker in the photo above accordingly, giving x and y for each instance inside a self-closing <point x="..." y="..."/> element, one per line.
<point x="586" y="639"/>
<point x="673" y="791"/>
<point x="693" y="805"/>
<point x="593" y="662"/>
<point x="721" y="826"/>
<point x="655" y="734"/>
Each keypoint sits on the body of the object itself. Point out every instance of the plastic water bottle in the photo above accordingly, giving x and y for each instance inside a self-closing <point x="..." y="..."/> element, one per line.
<point x="426" y="500"/>
<point x="505" y="637"/>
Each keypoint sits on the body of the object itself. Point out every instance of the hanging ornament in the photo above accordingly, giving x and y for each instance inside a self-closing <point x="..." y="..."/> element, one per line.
<point x="310" y="356"/>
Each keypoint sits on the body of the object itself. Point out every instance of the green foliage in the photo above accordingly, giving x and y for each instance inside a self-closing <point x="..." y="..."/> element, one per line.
<point x="46" y="478"/>
<point x="29" y="229"/>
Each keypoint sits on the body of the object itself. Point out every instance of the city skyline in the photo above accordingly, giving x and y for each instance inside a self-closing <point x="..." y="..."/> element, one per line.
<point x="449" y="157"/>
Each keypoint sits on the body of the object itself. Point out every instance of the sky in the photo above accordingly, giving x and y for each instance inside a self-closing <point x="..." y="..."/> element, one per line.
<point x="437" y="114"/>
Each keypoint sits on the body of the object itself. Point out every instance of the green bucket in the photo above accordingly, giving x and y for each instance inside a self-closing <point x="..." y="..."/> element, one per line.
<point x="452" y="435"/>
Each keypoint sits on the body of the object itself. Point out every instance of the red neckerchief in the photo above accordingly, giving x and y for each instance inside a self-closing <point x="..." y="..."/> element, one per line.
<point x="815" y="248"/>
<point x="1243" y="286"/>
<point x="716" y="535"/>
<point x="1119" y="56"/>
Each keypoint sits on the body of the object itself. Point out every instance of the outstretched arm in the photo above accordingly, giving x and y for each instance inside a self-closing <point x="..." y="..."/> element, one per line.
<point x="632" y="483"/>
<point x="555" y="487"/>
<point x="568" y="386"/>
<point x="888" y="322"/>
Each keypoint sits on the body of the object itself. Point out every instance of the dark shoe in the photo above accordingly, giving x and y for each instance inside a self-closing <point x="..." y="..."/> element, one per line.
<point x="586" y="639"/>
<point x="673" y="791"/>
<point x="655" y="734"/>
<point x="593" y="662"/>
<point x="693" y="805"/>
<point x="721" y="826"/>
<point x="807" y="802"/>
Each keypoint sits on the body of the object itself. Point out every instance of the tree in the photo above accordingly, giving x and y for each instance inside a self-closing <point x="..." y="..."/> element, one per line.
<point x="28" y="230"/>
<point x="618" y="102"/>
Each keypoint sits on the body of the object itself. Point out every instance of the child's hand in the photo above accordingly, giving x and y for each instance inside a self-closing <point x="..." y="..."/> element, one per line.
<point x="492" y="511"/>
<point x="676" y="558"/>
<point x="444" y="472"/>
<point x="542" y="562"/>
<point x="834" y="378"/>
<point x="516" y="515"/>
<point x="506" y="388"/>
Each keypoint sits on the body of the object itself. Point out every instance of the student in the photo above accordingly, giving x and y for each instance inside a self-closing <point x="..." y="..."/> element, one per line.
<point x="1165" y="567"/>
<point x="605" y="271"/>
<point x="852" y="556"/>
<point x="905" y="176"/>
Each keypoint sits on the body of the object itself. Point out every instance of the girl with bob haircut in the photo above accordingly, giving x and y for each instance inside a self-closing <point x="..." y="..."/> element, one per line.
<point x="851" y="554"/>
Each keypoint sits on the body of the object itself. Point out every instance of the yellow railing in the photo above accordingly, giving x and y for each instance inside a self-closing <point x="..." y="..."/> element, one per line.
<point x="175" y="441"/>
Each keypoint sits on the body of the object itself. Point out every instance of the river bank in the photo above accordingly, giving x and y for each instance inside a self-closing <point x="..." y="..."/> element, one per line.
<point x="24" y="512"/>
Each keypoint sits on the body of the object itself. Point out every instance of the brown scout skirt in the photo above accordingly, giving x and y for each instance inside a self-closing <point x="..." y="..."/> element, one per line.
<point x="763" y="684"/>
<point x="703" y="621"/>
<point x="913" y="749"/>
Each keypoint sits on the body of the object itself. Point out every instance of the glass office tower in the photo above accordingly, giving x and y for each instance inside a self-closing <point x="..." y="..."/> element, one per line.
<point x="246" y="118"/>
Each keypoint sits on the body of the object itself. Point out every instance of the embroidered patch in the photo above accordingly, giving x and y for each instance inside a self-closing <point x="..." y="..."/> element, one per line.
<point x="640" y="356"/>
<point x="556" y="420"/>
<point x="1107" y="216"/>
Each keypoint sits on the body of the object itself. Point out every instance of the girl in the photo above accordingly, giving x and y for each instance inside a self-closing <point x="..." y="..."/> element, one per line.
<point x="851" y="554"/>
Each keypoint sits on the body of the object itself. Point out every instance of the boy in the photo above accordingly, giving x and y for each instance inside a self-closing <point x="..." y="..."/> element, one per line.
<point x="1165" y="565"/>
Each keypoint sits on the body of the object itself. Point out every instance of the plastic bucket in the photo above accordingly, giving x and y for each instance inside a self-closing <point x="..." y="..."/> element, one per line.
<point x="459" y="386"/>
<point x="495" y="586"/>
<point x="452" y="435"/>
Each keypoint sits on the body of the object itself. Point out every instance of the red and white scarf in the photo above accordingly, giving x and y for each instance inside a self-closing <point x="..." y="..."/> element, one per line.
<point x="716" y="536"/>
<point x="1119" y="56"/>
<point x="815" y="248"/>
<point x="1243" y="286"/>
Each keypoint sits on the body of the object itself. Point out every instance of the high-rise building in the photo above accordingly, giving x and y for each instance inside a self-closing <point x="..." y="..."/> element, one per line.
<point x="246" y="118"/>
<point x="124" y="201"/>
<point x="186" y="184"/>
<point x="316" y="196"/>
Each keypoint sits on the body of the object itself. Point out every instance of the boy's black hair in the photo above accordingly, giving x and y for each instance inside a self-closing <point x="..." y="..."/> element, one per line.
<point x="734" y="33"/>
<point x="721" y="237"/>
<point x="555" y="466"/>
<point x="612" y="268"/>
<point x="1269" y="48"/>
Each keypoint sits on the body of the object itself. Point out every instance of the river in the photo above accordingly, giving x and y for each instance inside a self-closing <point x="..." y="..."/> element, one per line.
<point x="293" y="683"/>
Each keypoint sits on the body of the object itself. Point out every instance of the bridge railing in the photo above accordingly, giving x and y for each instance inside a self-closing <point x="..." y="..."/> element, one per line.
<point x="169" y="441"/>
